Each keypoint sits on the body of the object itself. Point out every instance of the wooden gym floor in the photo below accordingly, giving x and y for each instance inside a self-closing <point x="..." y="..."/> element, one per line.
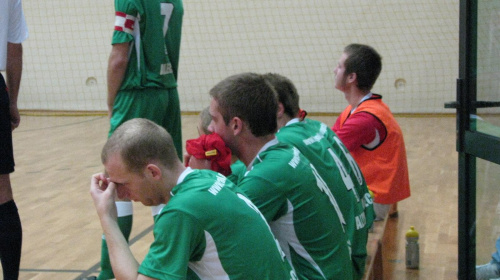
<point x="55" y="157"/>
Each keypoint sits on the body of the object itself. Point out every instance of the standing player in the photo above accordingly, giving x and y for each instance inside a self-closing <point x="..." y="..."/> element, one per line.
<point x="369" y="130"/>
<point x="13" y="32"/>
<point x="142" y="79"/>
<point x="205" y="230"/>
<point x="301" y="210"/>
<point x="334" y="164"/>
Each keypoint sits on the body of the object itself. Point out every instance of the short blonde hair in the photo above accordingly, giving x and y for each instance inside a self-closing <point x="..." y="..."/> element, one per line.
<point x="140" y="142"/>
<point x="205" y="120"/>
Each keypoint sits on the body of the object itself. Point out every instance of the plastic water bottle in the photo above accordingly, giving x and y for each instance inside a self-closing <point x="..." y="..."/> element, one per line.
<point x="412" y="249"/>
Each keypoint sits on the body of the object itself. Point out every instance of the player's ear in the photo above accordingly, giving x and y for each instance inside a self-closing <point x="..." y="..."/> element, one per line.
<point x="281" y="110"/>
<point x="351" y="78"/>
<point x="236" y="125"/>
<point x="153" y="171"/>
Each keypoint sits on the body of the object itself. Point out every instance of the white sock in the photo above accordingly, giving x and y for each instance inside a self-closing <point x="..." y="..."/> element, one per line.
<point x="124" y="208"/>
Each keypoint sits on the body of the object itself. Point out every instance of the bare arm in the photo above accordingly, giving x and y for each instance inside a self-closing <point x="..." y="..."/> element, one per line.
<point x="124" y="264"/>
<point x="14" y="72"/>
<point x="117" y="66"/>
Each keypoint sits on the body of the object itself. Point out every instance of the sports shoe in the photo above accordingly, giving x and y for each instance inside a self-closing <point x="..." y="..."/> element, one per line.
<point x="487" y="271"/>
<point x="89" y="278"/>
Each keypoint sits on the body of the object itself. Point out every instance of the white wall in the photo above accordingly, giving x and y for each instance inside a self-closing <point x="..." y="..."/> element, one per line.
<point x="70" y="41"/>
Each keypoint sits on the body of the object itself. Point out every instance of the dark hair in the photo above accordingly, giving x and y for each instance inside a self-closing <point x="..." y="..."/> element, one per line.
<point x="140" y="142"/>
<point x="287" y="93"/>
<point x="365" y="62"/>
<point x="249" y="97"/>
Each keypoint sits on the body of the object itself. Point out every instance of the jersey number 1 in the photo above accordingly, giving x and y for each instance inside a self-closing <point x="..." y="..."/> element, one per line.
<point x="166" y="10"/>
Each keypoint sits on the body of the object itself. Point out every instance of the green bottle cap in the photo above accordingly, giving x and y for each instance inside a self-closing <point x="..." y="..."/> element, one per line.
<point x="412" y="232"/>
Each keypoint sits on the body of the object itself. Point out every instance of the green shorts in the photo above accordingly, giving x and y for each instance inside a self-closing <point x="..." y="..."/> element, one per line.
<point x="158" y="105"/>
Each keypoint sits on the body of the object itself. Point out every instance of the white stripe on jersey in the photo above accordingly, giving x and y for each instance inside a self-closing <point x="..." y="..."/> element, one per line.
<point x="210" y="266"/>
<point x="284" y="231"/>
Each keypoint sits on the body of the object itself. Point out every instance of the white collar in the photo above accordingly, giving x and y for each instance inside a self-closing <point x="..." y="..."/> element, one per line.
<point x="362" y="99"/>
<point x="184" y="174"/>
<point x="292" y="121"/>
<point x="267" y="145"/>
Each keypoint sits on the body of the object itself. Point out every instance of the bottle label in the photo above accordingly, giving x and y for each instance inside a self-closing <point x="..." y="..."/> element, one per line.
<point x="412" y="254"/>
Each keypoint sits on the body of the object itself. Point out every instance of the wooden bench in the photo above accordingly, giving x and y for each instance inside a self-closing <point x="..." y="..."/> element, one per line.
<point x="374" y="268"/>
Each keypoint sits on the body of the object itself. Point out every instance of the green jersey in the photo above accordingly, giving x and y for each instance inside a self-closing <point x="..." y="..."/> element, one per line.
<point x="342" y="176"/>
<point x="215" y="232"/>
<point x="238" y="170"/>
<point x="301" y="210"/>
<point x="153" y="29"/>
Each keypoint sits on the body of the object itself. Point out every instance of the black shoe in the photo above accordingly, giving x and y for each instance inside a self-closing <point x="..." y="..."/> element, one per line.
<point x="89" y="278"/>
